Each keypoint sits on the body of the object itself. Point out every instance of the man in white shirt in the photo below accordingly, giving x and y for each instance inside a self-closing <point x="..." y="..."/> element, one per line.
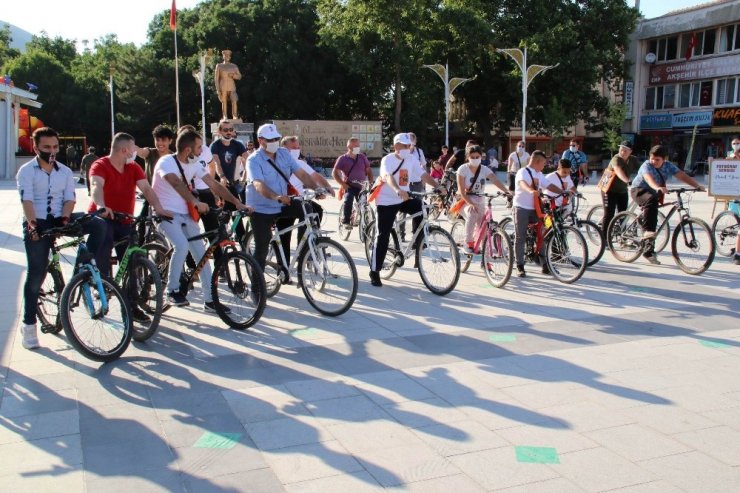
<point x="393" y="197"/>
<point x="560" y="178"/>
<point x="418" y="163"/>
<point x="173" y="180"/>
<point x="517" y="160"/>
<point x="529" y="181"/>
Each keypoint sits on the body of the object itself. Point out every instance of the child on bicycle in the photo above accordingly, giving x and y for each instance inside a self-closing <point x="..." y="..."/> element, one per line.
<point x="471" y="178"/>
<point x="649" y="189"/>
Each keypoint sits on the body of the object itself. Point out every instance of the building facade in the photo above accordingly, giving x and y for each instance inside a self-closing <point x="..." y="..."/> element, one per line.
<point x="685" y="86"/>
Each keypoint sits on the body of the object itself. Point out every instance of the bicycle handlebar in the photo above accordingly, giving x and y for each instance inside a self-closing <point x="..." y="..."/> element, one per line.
<point x="72" y="228"/>
<point x="490" y="195"/>
<point x="679" y="191"/>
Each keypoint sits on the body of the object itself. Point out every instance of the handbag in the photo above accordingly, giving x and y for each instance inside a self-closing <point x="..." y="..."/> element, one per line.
<point x="192" y="210"/>
<point x="606" y="180"/>
<point x="375" y="191"/>
<point x="291" y="189"/>
<point x="539" y="207"/>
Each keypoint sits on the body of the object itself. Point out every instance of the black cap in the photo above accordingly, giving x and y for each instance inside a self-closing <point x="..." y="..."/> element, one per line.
<point x="627" y="144"/>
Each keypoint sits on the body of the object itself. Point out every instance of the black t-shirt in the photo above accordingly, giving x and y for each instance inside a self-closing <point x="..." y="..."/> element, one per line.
<point x="459" y="158"/>
<point x="227" y="154"/>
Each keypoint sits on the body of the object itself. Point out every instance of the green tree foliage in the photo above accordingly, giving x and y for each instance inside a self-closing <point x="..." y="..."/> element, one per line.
<point x="6" y="52"/>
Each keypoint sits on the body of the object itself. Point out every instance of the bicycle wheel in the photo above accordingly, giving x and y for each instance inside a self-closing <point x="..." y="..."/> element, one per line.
<point x="692" y="246"/>
<point x="507" y="224"/>
<point x="438" y="260"/>
<point x="457" y="231"/>
<point x="272" y="270"/>
<point x="145" y="292"/>
<point x="662" y="236"/>
<point x="328" y="277"/>
<point x="240" y="300"/>
<point x="160" y="256"/>
<point x="392" y="256"/>
<point x="366" y="217"/>
<point x="498" y="257"/>
<point x="343" y="230"/>
<point x="724" y="230"/>
<point x="596" y="214"/>
<point x="624" y="237"/>
<point x="566" y="254"/>
<point x="47" y="310"/>
<point x="594" y="240"/>
<point x="98" y="334"/>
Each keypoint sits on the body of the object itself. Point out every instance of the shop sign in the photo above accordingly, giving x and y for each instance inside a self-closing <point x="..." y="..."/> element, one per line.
<point x="726" y="117"/>
<point x="629" y="94"/>
<point x="658" y="121"/>
<point x="692" y="119"/>
<point x="710" y="68"/>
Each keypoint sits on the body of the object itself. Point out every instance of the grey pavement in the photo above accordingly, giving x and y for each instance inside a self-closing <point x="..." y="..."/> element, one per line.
<point x="628" y="380"/>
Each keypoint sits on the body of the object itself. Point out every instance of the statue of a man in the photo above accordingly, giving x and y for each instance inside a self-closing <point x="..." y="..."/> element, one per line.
<point x="225" y="75"/>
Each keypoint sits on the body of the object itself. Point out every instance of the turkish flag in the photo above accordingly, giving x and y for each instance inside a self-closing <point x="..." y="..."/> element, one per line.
<point x="689" y="48"/>
<point x="173" y="16"/>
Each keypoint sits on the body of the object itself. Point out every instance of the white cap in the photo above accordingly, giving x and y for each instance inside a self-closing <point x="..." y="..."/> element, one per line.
<point x="402" y="139"/>
<point x="268" y="131"/>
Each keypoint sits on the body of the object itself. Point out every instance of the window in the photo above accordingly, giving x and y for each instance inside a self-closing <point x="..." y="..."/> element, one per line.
<point x="728" y="39"/>
<point x="705" y="93"/>
<point x="688" y="95"/>
<point x="705" y="43"/>
<point x="726" y="91"/>
<point x="650" y="98"/>
<point x="664" y="48"/>
<point x="669" y="96"/>
<point x="710" y="37"/>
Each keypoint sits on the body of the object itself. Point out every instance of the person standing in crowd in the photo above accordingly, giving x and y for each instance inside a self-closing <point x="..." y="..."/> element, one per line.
<point x="85" y="164"/>
<point x="227" y="152"/>
<point x="47" y="193"/>
<point x="458" y="158"/>
<point x="163" y="139"/>
<point x="517" y="160"/>
<point x="735" y="155"/>
<point x="438" y="171"/>
<point x="648" y="188"/>
<point x="529" y="180"/>
<point x="352" y="166"/>
<point x="492" y="157"/>
<point x="393" y="197"/>
<point x="616" y="198"/>
<point x="71" y="156"/>
<point x="578" y="162"/>
<point x="418" y="163"/>
<point x="445" y="156"/>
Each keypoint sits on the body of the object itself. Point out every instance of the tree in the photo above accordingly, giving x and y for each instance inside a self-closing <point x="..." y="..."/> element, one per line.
<point x="6" y="52"/>
<point x="613" y="121"/>
<point x="62" y="50"/>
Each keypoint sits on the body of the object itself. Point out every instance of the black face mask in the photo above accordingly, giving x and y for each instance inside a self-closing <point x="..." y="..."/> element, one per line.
<point x="46" y="156"/>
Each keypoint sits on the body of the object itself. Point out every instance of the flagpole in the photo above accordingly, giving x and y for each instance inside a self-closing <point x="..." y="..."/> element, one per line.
<point x="112" y="112"/>
<point x="177" y="82"/>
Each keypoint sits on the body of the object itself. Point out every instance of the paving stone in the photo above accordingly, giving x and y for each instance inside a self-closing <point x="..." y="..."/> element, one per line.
<point x="346" y="409"/>
<point x="140" y="455"/>
<point x="557" y="485"/>
<point x="669" y="419"/>
<point x="263" y="404"/>
<point x="179" y="404"/>
<point x="258" y="480"/>
<point x="636" y="442"/>
<point x="316" y="390"/>
<point x="599" y="469"/>
<point x="457" y="483"/>
<point x="460" y="437"/>
<point x="44" y="456"/>
<point x="151" y="481"/>
<point x="215" y="462"/>
<point x="185" y="431"/>
<point x="498" y="468"/>
<point x="35" y="426"/>
<point x="68" y="478"/>
<point x="287" y="432"/>
<point x="360" y="437"/>
<point x="588" y="416"/>
<point x="721" y="443"/>
<point x="405" y="464"/>
<point x="356" y="482"/>
<point x="20" y="403"/>
<point x="564" y="440"/>
<point x="428" y="412"/>
<point x="694" y="472"/>
<point x="314" y="461"/>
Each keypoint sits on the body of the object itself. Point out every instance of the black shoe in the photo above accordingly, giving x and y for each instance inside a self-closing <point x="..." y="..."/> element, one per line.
<point x="736" y="259"/>
<point x="520" y="271"/>
<point x="175" y="298"/>
<point x="375" y="278"/>
<point x="210" y="306"/>
<point x="652" y="258"/>
<point x="139" y="316"/>
<point x="545" y="269"/>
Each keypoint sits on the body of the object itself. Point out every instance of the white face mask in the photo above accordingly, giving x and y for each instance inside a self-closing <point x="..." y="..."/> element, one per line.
<point x="296" y="153"/>
<point x="131" y="158"/>
<point x="272" y="147"/>
<point x="519" y="149"/>
<point x="573" y="148"/>
<point x="226" y="140"/>
<point x="355" y="150"/>
<point x="736" y="147"/>
<point x="475" y="161"/>
<point x="404" y="153"/>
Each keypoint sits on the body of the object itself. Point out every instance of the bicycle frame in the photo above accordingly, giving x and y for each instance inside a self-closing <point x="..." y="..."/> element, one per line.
<point x="308" y="238"/>
<point x="409" y="249"/>
<point x="483" y="229"/>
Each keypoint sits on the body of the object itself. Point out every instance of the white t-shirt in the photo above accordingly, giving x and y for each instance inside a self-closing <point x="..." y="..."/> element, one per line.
<point x="168" y="196"/>
<point x="467" y="172"/>
<point x="388" y="165"/>
<point x="493" y="164"/>
<point x="205" y="157"/>
<point x="419" y="161"/>
<point x="295" y="181"/>
<point x="516" y="166"/>
<point x="522" y="198"/>
<point x="554" y="179"/>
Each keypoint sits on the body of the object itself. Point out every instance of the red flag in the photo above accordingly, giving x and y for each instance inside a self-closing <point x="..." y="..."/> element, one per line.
<point x="689" y="48"/>
<point x="173" y="16"/>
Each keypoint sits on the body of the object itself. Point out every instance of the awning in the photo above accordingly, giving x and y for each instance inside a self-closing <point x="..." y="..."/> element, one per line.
<point x="726" y="130"/>
<point x="22" y="96"/>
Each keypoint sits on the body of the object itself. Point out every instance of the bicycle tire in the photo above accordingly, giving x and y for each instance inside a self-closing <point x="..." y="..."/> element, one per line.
<point x="116" y="335"/>
<point x="272" y="271"/>
<point x="696" y="236"/>
<point x="457" y="231"/>
<point x="624" y="237"/>
<point x="343" y="230"/>
<point x="328" y="286"/>
<point x="367" y="216"/>
<point x="146" y="293"/>
<point x="498" y="257"/>
<point x="390" y="264"/>
<point x="47" y="310"/>
<point x="566" y="254"/>
<point x="725" y="229"/>
<point x="437" y="249"/>
<point x="160" y="256"/>
<point x="663" y="235"/>
<point x="596" y="214"/>
<point x="594" y="240"/>
<point x="241" y="300"/>
<point x="507" y="224"/>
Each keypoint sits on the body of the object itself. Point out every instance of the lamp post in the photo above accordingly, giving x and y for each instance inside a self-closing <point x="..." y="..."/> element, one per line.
<point x="450" y="85"/>
<point x="112" y="112"/>
<point x="528" y="74"/>
<point x="200" y="76"/>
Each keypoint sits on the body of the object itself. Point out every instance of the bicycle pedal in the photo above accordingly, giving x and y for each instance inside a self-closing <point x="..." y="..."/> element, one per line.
<point x="48" y="328"/>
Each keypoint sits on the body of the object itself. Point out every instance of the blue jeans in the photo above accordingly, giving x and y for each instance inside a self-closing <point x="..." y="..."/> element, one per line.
<point x="350" y="196"/>
<point x="114" y="232"/>
<point x="37" y="259"/>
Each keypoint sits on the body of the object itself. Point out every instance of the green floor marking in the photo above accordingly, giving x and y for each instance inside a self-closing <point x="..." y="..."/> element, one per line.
<point x="712" y="344"/>
<point x="537" y="455"/>
<point x="502" y="338"/>
<point x="218" y="440"/>
<point x="639" y="290"/>
<point x="307" y="332"/>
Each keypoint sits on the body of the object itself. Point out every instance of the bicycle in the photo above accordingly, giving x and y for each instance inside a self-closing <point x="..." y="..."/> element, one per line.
<point x="491" y="241"/>
<point x="441" y="203"/>
<point x="362" y="214"/>
<point x="140" y="278"/>
<point x="565" y="248"/>
<point x="47" y="310"/>
<point x="626" y="242"/>
<point x="93" y="311"/>
<point x="590" y="230"/>
<point x="596" y="214"/>
<point x="725" y="229"/>
<point x="436" y="255"/>
<point x="325" y="270"/>
<point x="237" y="284"/>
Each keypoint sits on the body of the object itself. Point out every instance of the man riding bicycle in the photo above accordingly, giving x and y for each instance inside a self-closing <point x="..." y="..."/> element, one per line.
<point x="350" y="167"/>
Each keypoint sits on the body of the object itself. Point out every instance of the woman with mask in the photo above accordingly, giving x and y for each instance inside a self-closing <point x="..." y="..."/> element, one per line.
<point x="517" y="160"/>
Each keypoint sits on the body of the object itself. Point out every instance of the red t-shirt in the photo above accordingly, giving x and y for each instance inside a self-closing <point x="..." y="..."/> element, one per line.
<point x="119" y="189"/>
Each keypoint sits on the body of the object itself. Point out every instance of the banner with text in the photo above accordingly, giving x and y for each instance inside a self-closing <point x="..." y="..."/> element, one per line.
<point x="328" y="139"/>
<point x="694" y="70"/>
<point x="724" y="178"/>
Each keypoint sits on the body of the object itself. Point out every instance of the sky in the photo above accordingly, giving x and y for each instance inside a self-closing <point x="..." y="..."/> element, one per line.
<point x="129" y="20"/>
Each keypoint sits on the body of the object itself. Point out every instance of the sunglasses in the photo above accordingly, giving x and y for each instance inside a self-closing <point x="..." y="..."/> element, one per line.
<point x="273" y="140"/>
<point x="227" y="129"/>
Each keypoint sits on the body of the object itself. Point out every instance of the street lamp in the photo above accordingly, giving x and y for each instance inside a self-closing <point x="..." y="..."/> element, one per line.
<point x="112" y="112"/>
<point x="450" y="85"/>
<point x="200" y="76"/>
<point x="528" y="73"/>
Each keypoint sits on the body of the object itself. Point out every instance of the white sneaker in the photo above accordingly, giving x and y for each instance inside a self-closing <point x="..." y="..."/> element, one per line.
<point x="649" y="235"/>
<point x="28" y="332"/>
